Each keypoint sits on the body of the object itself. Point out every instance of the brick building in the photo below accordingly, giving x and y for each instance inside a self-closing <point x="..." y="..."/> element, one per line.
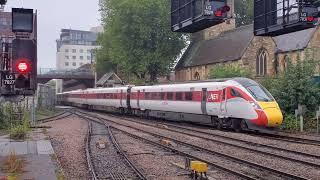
<point x="225" y="44"/>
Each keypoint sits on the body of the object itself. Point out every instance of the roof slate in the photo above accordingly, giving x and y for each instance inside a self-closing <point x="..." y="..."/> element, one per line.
<point x="228" y="46"/>
<point x="294" y="41"/>
<point x="231" y="45"/>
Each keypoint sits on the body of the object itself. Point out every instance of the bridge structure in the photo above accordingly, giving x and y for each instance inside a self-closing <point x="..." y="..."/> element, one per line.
<point x="73" y="76"/>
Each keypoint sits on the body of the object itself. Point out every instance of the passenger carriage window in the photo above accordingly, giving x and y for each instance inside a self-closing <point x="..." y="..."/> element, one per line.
<point x="188" y="96"/>
<point x="163" y="95"/>
<point x="169" y="95"/>
<point x="147" y="96"/>
<point x="179" y="96"/>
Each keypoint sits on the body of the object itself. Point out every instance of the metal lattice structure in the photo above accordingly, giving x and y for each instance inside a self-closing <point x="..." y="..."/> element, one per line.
<point x="190" y="16"/>
<point x="276" y="17"/>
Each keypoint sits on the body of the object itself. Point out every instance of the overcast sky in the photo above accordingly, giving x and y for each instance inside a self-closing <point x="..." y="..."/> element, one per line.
<point x="53" y="15"/>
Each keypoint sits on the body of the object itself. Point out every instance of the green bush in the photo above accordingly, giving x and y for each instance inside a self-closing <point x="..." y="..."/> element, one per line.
<point x="229" y="71"/>
<point x="19" y="132"/>
<point x="290" y="123"/>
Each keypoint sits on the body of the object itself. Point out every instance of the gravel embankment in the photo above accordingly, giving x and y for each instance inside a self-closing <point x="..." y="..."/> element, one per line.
<point x="107" y="161"/>
<point x="265" y="160"/>
<point x="156" y="163"/>
<point x="68" y="140"/>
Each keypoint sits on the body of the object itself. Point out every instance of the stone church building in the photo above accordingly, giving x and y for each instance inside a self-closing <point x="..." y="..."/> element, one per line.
<point x="226" y="44"/>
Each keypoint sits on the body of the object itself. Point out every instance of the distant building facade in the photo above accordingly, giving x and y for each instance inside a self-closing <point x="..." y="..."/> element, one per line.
<point x="75" y="48"/>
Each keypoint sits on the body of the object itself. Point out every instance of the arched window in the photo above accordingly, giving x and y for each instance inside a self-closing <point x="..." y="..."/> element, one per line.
<point x="261" y="66"/>
<point x="285" y="62"/>
<point x="196" y="76"/>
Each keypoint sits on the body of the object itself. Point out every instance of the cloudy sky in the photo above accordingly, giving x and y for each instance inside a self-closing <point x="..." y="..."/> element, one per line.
<point x="53" y="15"/>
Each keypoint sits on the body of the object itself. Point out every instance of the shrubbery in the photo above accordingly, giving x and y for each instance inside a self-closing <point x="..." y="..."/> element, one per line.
<point x="229" y="71"/>
<point x="17" y="126"/>
<point x="290" y="88"/>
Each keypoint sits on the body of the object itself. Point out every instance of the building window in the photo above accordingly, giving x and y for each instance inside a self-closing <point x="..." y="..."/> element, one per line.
<point x="74" y="57"/>
<point x="66" y="63"/>
<point x="67" y="57"/>
<point x="81" y="57"/>
<point x="88" y="58"/>
<point x="89" y="51"/>
<point x="74" y="50"/>
<point x="261" y="64"/>
<point x="66" y="50"/>
<point x="81" y="50"/>
<point x="196" y="76"/>
<point x="74" y="64"/>
<point x="285" y="63"/>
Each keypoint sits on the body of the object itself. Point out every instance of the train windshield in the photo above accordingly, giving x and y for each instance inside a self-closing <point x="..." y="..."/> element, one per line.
<point x="260" y="93"/>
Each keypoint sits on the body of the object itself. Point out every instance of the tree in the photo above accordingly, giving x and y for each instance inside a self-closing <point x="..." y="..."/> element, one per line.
<point x="295" y="86"/>
<point x="138" y="39"/>
<point x="244" y="12"/>
<point x="228" y="71"/>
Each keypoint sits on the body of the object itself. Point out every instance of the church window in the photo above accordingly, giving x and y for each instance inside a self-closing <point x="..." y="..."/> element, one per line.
<point x="261" y="66"/>
<point x="196" y="76"/>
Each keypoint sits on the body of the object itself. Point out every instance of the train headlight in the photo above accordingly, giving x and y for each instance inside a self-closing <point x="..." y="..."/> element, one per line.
<point x="255" y="105"/>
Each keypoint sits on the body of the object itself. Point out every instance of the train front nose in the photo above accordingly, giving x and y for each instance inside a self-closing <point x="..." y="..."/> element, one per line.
<point x="273" y="113"/>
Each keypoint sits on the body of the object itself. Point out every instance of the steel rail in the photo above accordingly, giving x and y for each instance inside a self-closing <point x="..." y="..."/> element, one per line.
<point x="88" y="153"/>
<point x="117" y="146"/>
<point x="239" y="174"/>
<point x="51" y="117"/>
<point x="234" y="145"/>
<point x="290" y="139"/>
<point x="252" y="164"/>
<point x="120" y="151"/>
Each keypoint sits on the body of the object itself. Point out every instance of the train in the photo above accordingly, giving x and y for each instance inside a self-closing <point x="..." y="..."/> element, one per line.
<point x="240" y="104"/>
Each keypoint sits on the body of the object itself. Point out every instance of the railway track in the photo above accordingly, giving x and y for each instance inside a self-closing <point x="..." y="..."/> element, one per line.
<point x="290" y="139"/>
<point x="58" y="116"/>
<point x="309" y="159"/>
<point x="189" y="149"/>
<point x="112" y="163"/>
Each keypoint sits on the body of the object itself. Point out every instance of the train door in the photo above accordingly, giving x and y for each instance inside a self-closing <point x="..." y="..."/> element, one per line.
<point x="121" y="95"/>
<point x="138" y="99"/>
<point x="223" y="102"/>
<point x="204" y="101"/>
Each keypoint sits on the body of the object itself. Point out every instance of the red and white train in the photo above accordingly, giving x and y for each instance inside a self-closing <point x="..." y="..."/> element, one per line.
<point x="237" y="103"/>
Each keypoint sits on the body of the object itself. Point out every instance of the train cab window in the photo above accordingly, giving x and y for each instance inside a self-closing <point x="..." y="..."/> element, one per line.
<point x="188" y="96"/>
<point x="235" y="93"/>
<point x="179" y="96"/>
<point x="169" y="95"/>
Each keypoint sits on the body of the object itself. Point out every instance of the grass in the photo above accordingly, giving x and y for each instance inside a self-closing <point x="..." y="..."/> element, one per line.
<point x="58" y="170"/>
<point x="13" y="166"/>
<point x="19" y="132"/>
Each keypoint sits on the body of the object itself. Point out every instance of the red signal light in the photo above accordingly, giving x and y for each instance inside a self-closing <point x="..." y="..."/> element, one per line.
<point x="310" y="18"/>
<point x="218" y="13"/>
<point x="23" y="66"/>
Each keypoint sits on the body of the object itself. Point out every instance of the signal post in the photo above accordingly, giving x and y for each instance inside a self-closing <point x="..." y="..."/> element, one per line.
<point x="19" y="55"/>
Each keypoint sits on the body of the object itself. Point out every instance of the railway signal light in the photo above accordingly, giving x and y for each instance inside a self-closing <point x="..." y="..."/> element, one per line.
<point x="23" y="66"/>
<point x="24" y="63"/>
